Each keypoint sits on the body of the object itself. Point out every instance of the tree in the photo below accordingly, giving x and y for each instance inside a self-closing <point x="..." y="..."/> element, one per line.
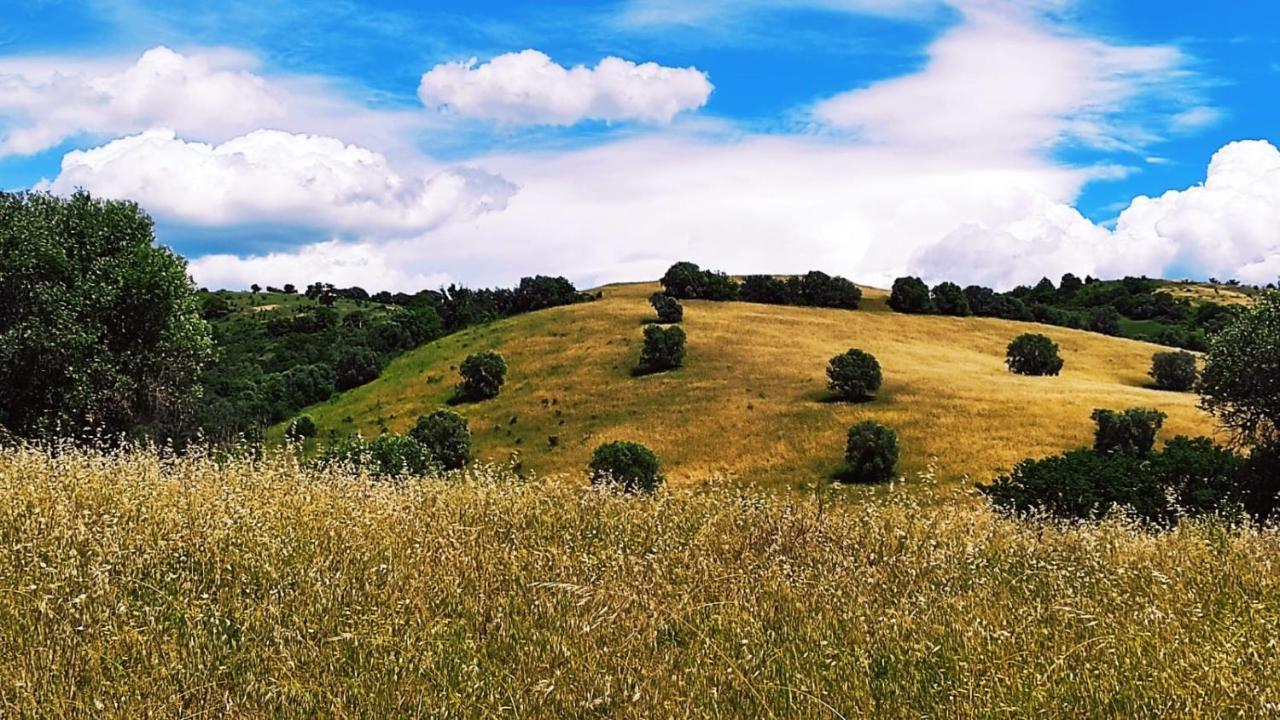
<point x="949" y="299"/>
<point x="1104" y="319"/>
<point x="1174" y="371"/>
<point x="765" y="289"/>
<point x="215" y="307"/>
<point x="910" y="295"/>
<point x="356" y="367"/>
<point x="290" y="289"/>
<point x="301" y="427"/>
<point x="255" y="288"/>
<point x="1069" y="286"/>
<point x="1032" y="354"/>
<point x="668" y="308"/>
<point x="854" y="375"/>
<point x="687" y="281"/>
<point x="385" y="457"/>
<point x="663" y="349"/>
<point x="1132" y="432"/>
<point x="871" y="452"/>
<point x="628" y="465"/>
<point x="1240" y="383"/>
<point x="483" y="375"/>
<point x="540" y="291"/>
<point x="100" y="328"/>
<point x="982" y="300"/>
<point x="446" y="435"/>
<point x="818" y="289"/>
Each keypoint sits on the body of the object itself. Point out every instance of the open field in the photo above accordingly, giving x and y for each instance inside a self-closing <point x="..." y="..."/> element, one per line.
<point x="751" y="401"/>
<point x="133" y="587"/>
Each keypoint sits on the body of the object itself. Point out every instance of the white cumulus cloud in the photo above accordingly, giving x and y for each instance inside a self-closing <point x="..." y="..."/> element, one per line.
<point x="274" y="176"/>
<point x="342" y="263"/>
<point x="529" y="88"/>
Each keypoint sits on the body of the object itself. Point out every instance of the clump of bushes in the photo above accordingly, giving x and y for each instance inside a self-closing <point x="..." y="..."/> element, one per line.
<point x="910" y="295"/>
<point x="854" y="375"/>
<point x="300" y="428"/>
<point x="813" y="289"/>
<point x="871" y="453"/>
<point x="1174" y="371"/>
<point x="949" y="299"/>
<point x="387" y="456"/>
<point x="1104" y="320"/>
<point x="628" y="465"/>
<point x="687" y="281"/>
<point x="446" y="436"/>
<point x="668" y="308"/>
<point x="1130" y="432"/>
<point x="483" y="374"/>
<point x="1033" y="354"/>
<point x="356" y="367"/>
<point x="663" y="349"/>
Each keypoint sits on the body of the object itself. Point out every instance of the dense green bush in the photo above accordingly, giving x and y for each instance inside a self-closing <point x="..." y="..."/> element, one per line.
<point x="387" y="456"/>
<point x="1174" y="370"/>
<point x="854" y="375"/>
<point x="1240" y="383"/>
<point x="663" y="349"/>
<point x="355" y="367"/>
<point x="949" y="299"/>
<point x="1105" y="320"/>
<point x="1032" y="354"/>
<point x="629" y="465"/>
<point x="766" y="289"/>
<point x="910" y="295"/>
<point x="301" y="427"/>
<point x="446" y="435"/>
<point x="871" y="453"/>
<point x="818" y="289"/>
<point x="1131" y="432"/>
<point x="687" y="281"/>
<point x="669" y="309"/>
<point x="483" y="374"/>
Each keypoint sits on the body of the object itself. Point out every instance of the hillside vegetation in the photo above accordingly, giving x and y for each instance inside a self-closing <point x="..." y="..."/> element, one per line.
<point x="751" y="399"/>
<point x="132" y="586"/>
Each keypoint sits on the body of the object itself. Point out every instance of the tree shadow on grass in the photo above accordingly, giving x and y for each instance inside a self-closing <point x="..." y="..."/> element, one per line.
<point x="642" y="371"/>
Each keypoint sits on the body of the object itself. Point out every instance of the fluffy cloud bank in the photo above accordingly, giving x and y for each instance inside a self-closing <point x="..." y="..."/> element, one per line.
<point x="273" y="176"/>
<point x="529" y="88"/>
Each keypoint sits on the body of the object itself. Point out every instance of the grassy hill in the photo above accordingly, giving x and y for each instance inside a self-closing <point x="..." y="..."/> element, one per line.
<point x="751" y="401"/>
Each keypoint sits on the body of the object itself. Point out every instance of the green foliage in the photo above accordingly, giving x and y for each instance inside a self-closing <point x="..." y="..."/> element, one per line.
<point x="356" y="367"/>
<point x="663" y="349"/>
<point x="871" y="453"/>
<point x="483" y="374"/>
<point x="540" y="292"/>
<point x="813" y="289"/>
<point x="387" y="456"/>
<point x="668" y="308"/>
<point x="1174" y="371"/>
<point x="1131" y="432"/>
<point x="100" y="328"/>
<point x="215" y="307"/>
<point x="628" y="465"/>
<point x="910" y="295"/>
<point x="1104" y="319"/>
<point x="687" y="281"/>
<point x="445" y="434"/>
<point x="1240" y="383"/>
<point x="949" y="299"/>
<point x="1032" y="354"/>
<point x="301" y="427"/>
<point x="854" y="375"/>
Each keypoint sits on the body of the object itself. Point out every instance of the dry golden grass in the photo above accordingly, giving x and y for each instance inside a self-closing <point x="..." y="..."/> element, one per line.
<point x="134" y="587"/>
<point x="751" y="400"/>
<point x="1205" y="292"/>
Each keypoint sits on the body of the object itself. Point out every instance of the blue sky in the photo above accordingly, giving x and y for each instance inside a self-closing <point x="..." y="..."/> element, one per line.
<point x="949" y="138"/>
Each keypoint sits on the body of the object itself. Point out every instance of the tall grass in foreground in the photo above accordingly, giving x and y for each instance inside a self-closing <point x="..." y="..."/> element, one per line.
<point x="132" y="586"/>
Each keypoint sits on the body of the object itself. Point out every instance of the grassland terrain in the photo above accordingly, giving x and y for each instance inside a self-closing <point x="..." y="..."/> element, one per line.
<point x="137" y="586"/>
<point x="751" y="401"/>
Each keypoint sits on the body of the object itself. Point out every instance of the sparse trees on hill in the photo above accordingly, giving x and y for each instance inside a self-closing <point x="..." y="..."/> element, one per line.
<point x="663" y="349"/>
<point x="1032" y="354"/>
<point x="1174" y="371"/>
<point x="669" y="309"/>
<point x="871" y="453"/>
<point x="628" y="465"/>
<point x="483" y="375"/>
<point x="910" y="295"/>
<point x="854" y="375"/>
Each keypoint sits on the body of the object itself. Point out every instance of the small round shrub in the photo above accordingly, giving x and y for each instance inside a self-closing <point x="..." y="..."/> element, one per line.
<point x="854" y="375"/>
<point x="301" y="427"/>
<point x="668" y="308"/>
<point x="446" y="435"/>
<point x="663" y="349"/>
<point x="483" y="374"/>
<point x="356" y="367"/>
<point x="631" y="466"/>
<point x="871" y="453"/>
<point x="1032" y="354"/>
<point x="1174" y="371"/>
<point x="910" y="295"/>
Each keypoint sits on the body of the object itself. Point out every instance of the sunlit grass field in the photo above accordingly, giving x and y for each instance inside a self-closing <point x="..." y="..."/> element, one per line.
<point x="751" y="400"/>
<point x="132" y="586"/>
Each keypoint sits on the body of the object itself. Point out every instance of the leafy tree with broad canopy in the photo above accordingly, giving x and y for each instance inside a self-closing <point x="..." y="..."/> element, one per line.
<point x="100" y="329"/>
<point x="1240" y="383"/>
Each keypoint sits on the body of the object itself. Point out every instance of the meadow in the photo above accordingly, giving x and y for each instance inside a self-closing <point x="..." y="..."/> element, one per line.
<point x="133" y="585"/>
<point x="751" y="400"/>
